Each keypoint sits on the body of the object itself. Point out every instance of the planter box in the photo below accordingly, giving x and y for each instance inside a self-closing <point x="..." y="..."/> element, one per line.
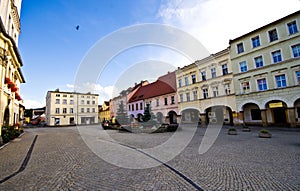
<point x="246" y="130"/>
<point x="232" y="132"/>
<point x="264" y="135"/>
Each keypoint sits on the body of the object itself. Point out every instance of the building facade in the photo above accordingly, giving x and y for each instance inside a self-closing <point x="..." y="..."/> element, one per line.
<point x="266" y="70"/>
<point x="104" y="113"/>
<point x="161" y="98"/>
<point x="71" y="108"/>
<point x="204" y="85"/>
<point x="11" y="108"/>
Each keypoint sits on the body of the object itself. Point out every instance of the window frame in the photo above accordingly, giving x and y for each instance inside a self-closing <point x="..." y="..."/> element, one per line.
<point x="293" y="31"/>
<point x="240" y="48"/>
<point x="271" y="39"/>
<point x="258" y="85"/>
<point x="292" y="50"/>
<point x="262" y="61"/>
<point x="240" y="66"/>
<point x="255" y="43"/>
<point x="281" y="81"/>
<point x="224" y="69"/>
<point x="213" y="72"/>
<point x="272" y="56"/>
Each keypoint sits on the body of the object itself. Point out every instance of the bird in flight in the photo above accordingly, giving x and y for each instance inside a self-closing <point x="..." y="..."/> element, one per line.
<point x="77" y="27"/>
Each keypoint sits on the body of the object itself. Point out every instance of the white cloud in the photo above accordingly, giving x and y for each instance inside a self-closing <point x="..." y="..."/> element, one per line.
<point x="215" y="22"/>
<point x="31" y="104"/>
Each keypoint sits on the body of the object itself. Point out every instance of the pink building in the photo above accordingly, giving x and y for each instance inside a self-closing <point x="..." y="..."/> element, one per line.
<point x="160" y="95"/>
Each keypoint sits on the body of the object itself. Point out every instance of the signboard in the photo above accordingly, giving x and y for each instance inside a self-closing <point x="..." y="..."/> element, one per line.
<point x="275" y="105"/>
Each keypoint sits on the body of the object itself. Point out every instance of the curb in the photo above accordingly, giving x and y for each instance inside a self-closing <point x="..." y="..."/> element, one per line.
<point x="1" y="147"/>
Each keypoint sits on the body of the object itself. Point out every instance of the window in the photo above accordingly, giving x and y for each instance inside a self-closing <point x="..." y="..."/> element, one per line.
<point x="166" y="101"/>
<point x="82" y="110"/>
<point x="179" y="82"/>
<point x="64" y="110"/>
<point x="132" y="107"/>
<point x="224" y="69"/>
<point x="298" y="77"/>
<point x="157" y="102"/>
<point x="243" y="66"/>
<point x="129" y="108"/>
<point x="57" y="95"/>
<point x="71" y="102"/>
<point x="93" y="102"/>
<point x="88" y="110"/>
<point x="82" y="96"/>
<point x="262" y="84"/>
<point x="71" y="96"/>
<point x="57" y="101"/>
<point x="203" y="75"/>
<point x="215" y="91"/>
<point x="64" y="101"/>
<point x="188" y="98"/>
<point x="172" y="100"/>
<point x="273" y="35"/>
<point x="137" y="106"/>
<point x="258" y="62"/>
<point x="88" y="102"/>
<point x="296" y="50"/>
<point x="195" y="95"/>
<point x="141" y="106"/>
<point x="280" y="81"/>
<point x="255" y="42"/>
<point x="292" y="26"/>
<point x="213" y="72"/>
<point x="240" y="48"/>
<point x="64" y="95"/>
<point x="93" y="110"/>
<point x="255" y="114"/>
<point x="193" y="78"/>
<point x="82" y="102"/>
<point x="181" y="97"/>
<point x="227" y="89"/>
<point x="57" y="110"/>
<point x="71" y="110"/>
<point x="245" y="87"/>
<point x="205" y="93"/>
<point x="186" y="80"/>
<point x="276" y="55"/>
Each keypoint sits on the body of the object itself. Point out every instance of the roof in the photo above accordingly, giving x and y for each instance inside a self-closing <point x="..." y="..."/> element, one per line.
<point x="164" y="85"/>
<point x="270" y="24"/>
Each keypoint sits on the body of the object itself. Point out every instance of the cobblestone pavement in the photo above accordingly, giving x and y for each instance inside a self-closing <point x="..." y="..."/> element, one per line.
<point x="61" y="161"/>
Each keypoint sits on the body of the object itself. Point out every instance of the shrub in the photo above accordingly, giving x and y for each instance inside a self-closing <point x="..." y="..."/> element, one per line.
<point x="10" y="132"/>
<point x="232" y="129"/>
<point x="264" y="131"/>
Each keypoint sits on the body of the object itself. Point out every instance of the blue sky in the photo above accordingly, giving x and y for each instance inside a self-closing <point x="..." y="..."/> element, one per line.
<point x="52" y="49"/>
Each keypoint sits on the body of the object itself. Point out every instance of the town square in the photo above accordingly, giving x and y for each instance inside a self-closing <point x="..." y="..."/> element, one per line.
<point x="149" y="95"/>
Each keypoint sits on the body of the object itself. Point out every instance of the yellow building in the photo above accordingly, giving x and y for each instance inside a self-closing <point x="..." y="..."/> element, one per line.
<point x="10" y="64"/>
<point x="266" y="70"/>
<point x="204" y="85"/>
<point x="105" y="112"/>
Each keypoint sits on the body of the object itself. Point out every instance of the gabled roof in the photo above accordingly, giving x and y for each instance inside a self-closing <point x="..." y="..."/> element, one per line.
<point x="164" y="85"/>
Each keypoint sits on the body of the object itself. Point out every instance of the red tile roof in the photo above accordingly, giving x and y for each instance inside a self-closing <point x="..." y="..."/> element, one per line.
<point x="163" y="85"/>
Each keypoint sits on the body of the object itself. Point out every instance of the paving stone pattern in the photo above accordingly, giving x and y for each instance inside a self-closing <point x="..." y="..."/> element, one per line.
<point x="61" y="161"/>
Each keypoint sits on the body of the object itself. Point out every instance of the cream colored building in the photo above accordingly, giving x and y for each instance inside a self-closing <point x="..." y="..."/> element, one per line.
<point x="206" y="84"/>
<point x="266" y="70"/>
<point x="71" y="108"/>
<point x="10" y="64"/>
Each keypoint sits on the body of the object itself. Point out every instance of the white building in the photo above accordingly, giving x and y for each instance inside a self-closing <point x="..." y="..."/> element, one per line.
<point x="71" y="108"/>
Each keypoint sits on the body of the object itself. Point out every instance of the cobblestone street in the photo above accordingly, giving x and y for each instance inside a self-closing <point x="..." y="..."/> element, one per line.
<point x="60" y="160"/>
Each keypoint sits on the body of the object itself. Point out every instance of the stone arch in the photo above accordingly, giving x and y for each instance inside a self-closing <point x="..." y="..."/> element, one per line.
<point x="241" y="105"/>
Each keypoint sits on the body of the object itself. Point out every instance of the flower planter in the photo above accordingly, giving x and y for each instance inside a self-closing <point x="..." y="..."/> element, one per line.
<point x="246" y="130"/>
<point x="232" y="132"/>
<point x="264" y="135"/>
